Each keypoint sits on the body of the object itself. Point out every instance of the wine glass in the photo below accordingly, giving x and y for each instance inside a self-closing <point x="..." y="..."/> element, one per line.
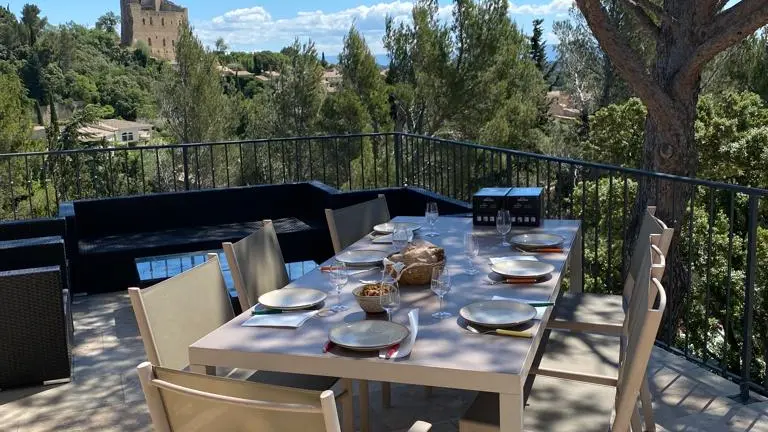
<point x="503" y="225"/>
<point x="471" y="250"/>
<point x="390" y="301"/>
<point x="400" y="236"/>
<point x="441" y="285"/>
<point x="431" y="215"/>
<point x="339" y="278"/>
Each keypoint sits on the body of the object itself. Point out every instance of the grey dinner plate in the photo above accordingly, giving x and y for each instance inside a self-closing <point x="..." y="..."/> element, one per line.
<point x="522" y="268"/>
<point x="389" y="227"/>
<point x="498" y="313"/>
<point x="543" y="240"/>
<point x="368" y="335"/>
<point x="292" y="298"/>
<point x="362" y="257"/>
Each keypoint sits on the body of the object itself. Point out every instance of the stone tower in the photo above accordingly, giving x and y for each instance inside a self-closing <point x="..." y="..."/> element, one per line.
<point x="156" y="22"/>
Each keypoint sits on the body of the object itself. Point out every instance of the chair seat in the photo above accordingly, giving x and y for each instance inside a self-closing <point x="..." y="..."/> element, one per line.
<point x="596" y="313"/>
<point x="582" y="353"/>
<point x="297" y="381"/>
<point x="554" y="405"/>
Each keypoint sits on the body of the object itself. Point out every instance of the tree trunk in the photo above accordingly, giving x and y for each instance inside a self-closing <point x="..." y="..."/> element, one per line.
<point x="670" y="147"/>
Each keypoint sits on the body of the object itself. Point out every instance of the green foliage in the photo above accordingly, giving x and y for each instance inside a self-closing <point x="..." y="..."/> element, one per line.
<point x="30" y="18"/>
<point x="469" y="79"/>
<point x="14" y="122"/>
<point x="343" y="112"/>
<point x="108" y="22"/>
<point x="733" y="127"/>
<point x="298" y="92"/>
<point x="360" y="75"/>
<point x="538" y="49"/>
<point x="616" y="134"/>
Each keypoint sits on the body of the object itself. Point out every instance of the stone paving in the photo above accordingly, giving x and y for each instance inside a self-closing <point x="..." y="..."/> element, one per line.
<point x="105" y="395"/>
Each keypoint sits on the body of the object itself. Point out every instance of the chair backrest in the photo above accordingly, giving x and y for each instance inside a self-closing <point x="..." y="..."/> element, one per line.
<point x="181" y="401"/>
<point x="641" y="325"/>
<point x="349" y="224"/>
<point x="177" y="312"/>
<point x="257" y="266"/>
<point x="650" y="225"/>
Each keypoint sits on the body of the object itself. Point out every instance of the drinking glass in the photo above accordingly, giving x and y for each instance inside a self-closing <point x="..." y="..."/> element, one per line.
<point x="471" y="250"/>
<point x="339" y="278"/>
<point x="391" y="300"/>
<point x="503" y="225"/>
<point x="400" y="236"/>
<point x="431" y="215"/>
<point x="441" y="285"/>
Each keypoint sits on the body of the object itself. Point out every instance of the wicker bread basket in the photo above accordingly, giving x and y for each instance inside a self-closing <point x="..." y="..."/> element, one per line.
<point x="420" y="258"/>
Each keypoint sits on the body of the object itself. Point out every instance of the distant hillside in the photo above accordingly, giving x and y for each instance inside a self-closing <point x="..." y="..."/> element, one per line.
<point x="383" y="59"/>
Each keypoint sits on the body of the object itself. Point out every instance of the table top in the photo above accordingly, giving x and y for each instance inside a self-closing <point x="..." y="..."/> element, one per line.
<point x="445" y="354"/>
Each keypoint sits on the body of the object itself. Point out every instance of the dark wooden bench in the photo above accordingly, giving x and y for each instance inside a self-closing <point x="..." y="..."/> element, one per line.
<point x="111" y="233"/>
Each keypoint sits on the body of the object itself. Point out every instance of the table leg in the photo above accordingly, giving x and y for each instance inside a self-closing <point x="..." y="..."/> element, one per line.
<point x="576" y="265"/>
<point x="365" y="406"/>
<point x="202" y="369"/>
<point x="511" y="412"/>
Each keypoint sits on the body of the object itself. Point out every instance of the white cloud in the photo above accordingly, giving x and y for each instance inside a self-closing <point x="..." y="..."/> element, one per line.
<point x="254" y="28"/>
<point x="554" y="6"/>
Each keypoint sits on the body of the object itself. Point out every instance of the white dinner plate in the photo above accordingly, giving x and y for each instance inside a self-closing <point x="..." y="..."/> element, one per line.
<point x="498" y="313"/>
<point x="387" y="228"/>
<point x="533" y="241"/>
<point x="522" y="268"/>
<point x="362" y="257"/>
<point x="368" y="335"/>
<point x="292" y="298"/>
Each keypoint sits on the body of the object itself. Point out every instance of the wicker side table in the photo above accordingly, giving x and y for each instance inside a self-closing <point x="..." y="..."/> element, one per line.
<point x="34" y="328"/>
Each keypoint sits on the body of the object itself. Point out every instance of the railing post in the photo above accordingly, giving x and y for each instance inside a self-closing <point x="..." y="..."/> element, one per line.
<point x="509" y="169"/>
<point x="398" y="159"/>
<point x="185" y="162"/>
<point x="749" y="293"/>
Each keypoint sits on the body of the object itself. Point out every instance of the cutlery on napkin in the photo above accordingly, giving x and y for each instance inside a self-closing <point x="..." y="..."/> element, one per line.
<point x="328" y="346"/>
<point x="540" y="250"/>
<point x="404" y="348"/>
<point x="513" y="281"/>
<point x="502" y="332"/>
<point x="283" y="319"/>
<point x="266" y="311"/>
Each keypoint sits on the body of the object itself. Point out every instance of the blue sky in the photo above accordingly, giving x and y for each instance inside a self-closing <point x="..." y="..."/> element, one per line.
<point x="271" y="24"/>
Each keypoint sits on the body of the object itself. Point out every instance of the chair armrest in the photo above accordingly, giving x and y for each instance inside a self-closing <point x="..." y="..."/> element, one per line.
<point x="420" y="426"/>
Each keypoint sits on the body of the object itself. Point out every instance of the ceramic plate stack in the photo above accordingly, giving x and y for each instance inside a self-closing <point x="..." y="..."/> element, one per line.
<point x="537" y="241"/>
<point x="292" y="298"/>
<point x="368" y="335"/>
<point x="498" y="313"/>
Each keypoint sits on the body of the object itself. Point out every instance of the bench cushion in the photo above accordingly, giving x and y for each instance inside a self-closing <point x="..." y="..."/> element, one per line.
<point x="146" y="241"/>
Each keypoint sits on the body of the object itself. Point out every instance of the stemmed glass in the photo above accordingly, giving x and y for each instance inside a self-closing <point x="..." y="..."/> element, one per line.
<point x="400" y="236"/>
<point x="503" y="225"/>
<point x="431" y="215"/>
<point x="441" y="285"/>
<point x="390" y="301"/>
<point x="339" y="278"/>
<point x="471" y="250"/>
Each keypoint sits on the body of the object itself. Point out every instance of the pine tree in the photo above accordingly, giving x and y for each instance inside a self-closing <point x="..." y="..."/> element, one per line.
<point x="191" y="97"/>
<point x="539" y="46"/>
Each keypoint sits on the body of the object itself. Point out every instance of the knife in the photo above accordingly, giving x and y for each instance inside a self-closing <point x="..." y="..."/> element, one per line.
<point x="502" y="332"/>
<point x="392" y="351"/>
<point x="266" y="312"/>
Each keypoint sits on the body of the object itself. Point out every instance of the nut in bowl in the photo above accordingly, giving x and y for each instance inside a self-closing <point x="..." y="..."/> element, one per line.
<point x="368" y="296"/>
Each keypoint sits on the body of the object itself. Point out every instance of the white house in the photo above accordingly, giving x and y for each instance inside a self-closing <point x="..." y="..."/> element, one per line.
<point x="117" y="131"/>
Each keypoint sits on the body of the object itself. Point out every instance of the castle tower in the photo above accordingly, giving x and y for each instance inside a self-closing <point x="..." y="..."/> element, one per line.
<point x="154" y="22"/>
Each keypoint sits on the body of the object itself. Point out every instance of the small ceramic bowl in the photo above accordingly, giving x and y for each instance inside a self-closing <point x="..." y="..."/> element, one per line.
<point x="370" y="304"/>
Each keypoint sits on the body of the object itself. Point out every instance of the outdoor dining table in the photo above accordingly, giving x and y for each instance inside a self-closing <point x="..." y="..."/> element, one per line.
<point x="444" y="355"/>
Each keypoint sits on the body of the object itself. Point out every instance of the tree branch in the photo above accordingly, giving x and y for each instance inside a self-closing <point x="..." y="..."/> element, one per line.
<point x="624" y="58"/>
<point x="726" y="29"/>
<point x="644" y="19"/>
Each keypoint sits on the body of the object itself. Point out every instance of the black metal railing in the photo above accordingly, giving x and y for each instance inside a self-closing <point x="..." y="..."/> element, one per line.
<point x="717" y="317"/>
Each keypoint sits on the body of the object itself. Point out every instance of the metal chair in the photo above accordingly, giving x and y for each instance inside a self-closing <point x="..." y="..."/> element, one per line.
<point x="175" y="313"/>
<point x="180" y="401"/>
